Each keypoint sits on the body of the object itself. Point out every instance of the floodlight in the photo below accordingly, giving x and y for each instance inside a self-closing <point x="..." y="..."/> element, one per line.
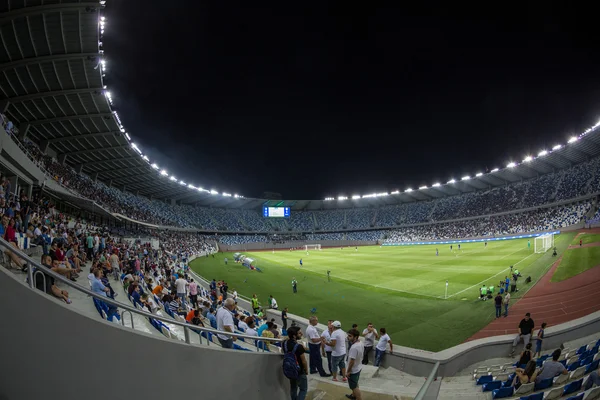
<point x="542" y="153"/>
<point x="226" y="194"/>
<point x="382" y="194"/>
<point x="154" y="166"/>
<point x="511" y="165"/>
<point x="528" y="159"/>
<point x="572" y="139"/>
<point x="164" y="173"/>
<point x="342" y="198"/>
<point x="494" y="170"/>
<point x="191" y="186"/>
<point x="356" y="196"/>
<point x="408" y="190"/>
<point x="435" y="184"/>
<point x="422" y="187"/>
<point x="236" y="196"/>
<point x="451" y="181"/>
<point x="465" y="178"/>
<point x="557" y="147"/>
<point x="146" y="158"/>
<point x="173" y="178"/>
<point x="479" y="174"/>
<point x="182" y="183"/>
<point x="213" y="191"/>
<point x="395" y="192"/>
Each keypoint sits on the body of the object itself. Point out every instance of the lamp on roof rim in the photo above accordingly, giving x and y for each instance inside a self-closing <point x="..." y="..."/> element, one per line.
<point x="572" y="139"/>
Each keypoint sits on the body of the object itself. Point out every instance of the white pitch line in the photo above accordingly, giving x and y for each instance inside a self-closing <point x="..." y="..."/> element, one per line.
<point x="499" y="273"/>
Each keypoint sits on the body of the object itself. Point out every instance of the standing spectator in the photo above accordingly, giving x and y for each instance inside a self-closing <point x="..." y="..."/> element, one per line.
<point x="299" y="386"/>
<point x="294" y="285"/>
<point x="224" y="289"/>
<point x="498" y="304"/>
<point x="525" y="328"/>
<point x="370" y="334"/>
<point x="225" y="323"/>
<point x="338" y="343"/>
<point x="325" y="349"/>
<point x="255" y="307"/>
<point x="193" y="286"/>
<point x="273" y="302"/>
<point x="181" y="284"/>
<point x="89" y="242"/>
<point x="314" y="345"/>
<point x="284" y="318"/>
<point x="540" y="339"/>
<point x="382" y="346"/>
<point x="355" y="355"/>
<point x="506" y="301"/>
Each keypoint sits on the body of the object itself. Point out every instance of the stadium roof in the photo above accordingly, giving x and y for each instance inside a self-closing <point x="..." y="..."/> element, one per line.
<point x="52" y="68"/>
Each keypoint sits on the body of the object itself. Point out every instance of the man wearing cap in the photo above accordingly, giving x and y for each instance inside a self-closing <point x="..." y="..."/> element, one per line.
<point x="354" y="364"/>
<point x="314" y="345"/>
<point x="525" y="328"/>
<point x="338" y="343"/>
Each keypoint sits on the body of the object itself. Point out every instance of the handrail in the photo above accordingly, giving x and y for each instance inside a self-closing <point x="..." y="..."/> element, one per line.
<point x="108" y="300"/>
<point x="432" y="375"/>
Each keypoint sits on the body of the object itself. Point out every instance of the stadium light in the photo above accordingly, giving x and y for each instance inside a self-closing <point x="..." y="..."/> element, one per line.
<point x="173" y="178"/>
<point x="356" y="196"/>
<point x="382" y="194"/>
<point x="557" y="147"/>
<point x="408" y="190"/>
<point x="494" y="170"/>
<point x="146" y="158"/>
<point x="163" y="172"/>
<point x="191" y="186"/>
<point x="236" y="195"/>
<point x="465" y="178"/>
<point x="479" y="174"/>
<point x="328" y="198"/>
<point x="437" y="184"/>
<point x="572" y="139"/>
<point x="542" y="153"/>
<point x="182" y="183"/>
<point x="511" y="165"/>
<point x="527" y="159"/>
<point x="213" y="191"/>
<point x="226" y="194"/>
<point x="342" y="198"/>
<point x="395" y="192"/>
<point x="422" y="187"/>
<point x="451" y="181"/>
<point x="367" y="196"/>
<point x="155" y="166"/>
<point x="200" y="189"/>
<point x="127" y="136"/>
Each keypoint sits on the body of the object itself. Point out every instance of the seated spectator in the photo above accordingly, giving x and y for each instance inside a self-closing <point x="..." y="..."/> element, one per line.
<point x="526" y="375"/>
<point x="551" y="368"/>
<point x="250" y="331"/>
<point x="50" y="287"/>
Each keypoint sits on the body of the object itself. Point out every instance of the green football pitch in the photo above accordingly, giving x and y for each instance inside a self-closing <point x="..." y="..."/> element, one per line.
<point x="401" y="288"/>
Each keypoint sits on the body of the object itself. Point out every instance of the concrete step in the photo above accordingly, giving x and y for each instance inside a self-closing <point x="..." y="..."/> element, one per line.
<point x="331" y="391"/>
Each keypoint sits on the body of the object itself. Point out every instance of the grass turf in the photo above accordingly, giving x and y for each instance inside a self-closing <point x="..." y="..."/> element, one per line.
<point x="586" y="238"/>
<point x="399" y="288"/>
<point x="576" y="261"/>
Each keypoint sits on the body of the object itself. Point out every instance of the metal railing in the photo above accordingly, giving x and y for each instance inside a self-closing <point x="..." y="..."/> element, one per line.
<point x="427" y="384"/>
<point x="259" y="341"/>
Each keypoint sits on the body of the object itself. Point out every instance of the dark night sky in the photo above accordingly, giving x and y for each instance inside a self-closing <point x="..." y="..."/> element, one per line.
<point x="322" y="101"/>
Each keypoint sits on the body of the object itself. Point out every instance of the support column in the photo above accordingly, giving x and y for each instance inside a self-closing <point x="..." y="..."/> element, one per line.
<point x="109" y="183"/>
<point x="95" y="176"/>
<point x="14" y="181"/>
<point x="44" y="146"/>
<point x="23" y="130"/>
<point x="62" y="158"/>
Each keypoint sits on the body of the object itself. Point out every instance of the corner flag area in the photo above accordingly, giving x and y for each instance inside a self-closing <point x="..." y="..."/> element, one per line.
<point x="399" y="288"/>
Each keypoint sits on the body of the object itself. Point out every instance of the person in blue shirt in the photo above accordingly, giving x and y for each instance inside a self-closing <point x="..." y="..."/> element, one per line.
<point x="211" y="317"/>
<point x="99" y="288"/>
<point x="506" y="283"/>
<point x="300" y="262"/>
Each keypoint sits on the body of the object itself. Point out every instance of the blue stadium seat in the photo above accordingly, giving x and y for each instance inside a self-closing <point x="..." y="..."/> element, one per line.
<point x="543" y="384"/>
<point x="537" y="396"/>
<point x="503" y="392"/>
<point x="493" y="385"/>
<point x="592" y="367"/>
<point x="578" y="397"/>
<point x="572" y="387"/>
<point x="582" y="349"/>
<point x="573" y="366"/>
<point x="485" y="379"/>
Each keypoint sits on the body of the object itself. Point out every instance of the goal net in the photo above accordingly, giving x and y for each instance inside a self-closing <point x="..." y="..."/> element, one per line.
<point x="544" y="243"/>
<point x="308" y="247"/>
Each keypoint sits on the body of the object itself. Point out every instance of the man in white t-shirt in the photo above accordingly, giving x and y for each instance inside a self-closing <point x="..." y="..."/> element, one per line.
<point x="384" y="340"/>
<point x="314" y="345"/>
<point x="326" y="350"/>
<point x="181" y="284"/>
<point x="338" y="343"/>
<point x="370" y="334"/>
<point x="274" y="305"/>
<point x="355" y="356"/>
<point x="225" y="323"/>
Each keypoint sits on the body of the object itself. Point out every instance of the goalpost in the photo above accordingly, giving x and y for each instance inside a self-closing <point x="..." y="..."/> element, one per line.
<point x="544" y="243"/>
<point x="308" y="247"/>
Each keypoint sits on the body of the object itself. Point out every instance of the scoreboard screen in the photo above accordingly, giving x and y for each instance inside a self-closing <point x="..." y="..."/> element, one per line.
<point x="276" y="212"/>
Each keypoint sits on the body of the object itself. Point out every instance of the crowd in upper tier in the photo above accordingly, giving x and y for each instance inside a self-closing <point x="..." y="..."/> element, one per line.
<point x="580" y="180"/>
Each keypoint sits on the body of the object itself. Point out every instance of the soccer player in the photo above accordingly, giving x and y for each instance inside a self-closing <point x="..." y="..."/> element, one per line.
<point x="459" y="246"/>
<point x="528" y="244"/>
<point x="485" y="244"/>
<point x="356" y="248"/>
<point x="328" y="277"/>
<point x="450" y="247"/>
<point x="294" y="285"/>
<point x="300" y="262"/>
<point x="437" y="253"/>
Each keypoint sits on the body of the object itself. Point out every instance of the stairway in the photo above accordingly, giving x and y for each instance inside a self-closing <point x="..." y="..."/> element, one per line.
<point x="374" y="220"/>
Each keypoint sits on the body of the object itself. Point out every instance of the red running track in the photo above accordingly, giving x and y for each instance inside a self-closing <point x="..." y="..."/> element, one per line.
<point x="551" y="302"/>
